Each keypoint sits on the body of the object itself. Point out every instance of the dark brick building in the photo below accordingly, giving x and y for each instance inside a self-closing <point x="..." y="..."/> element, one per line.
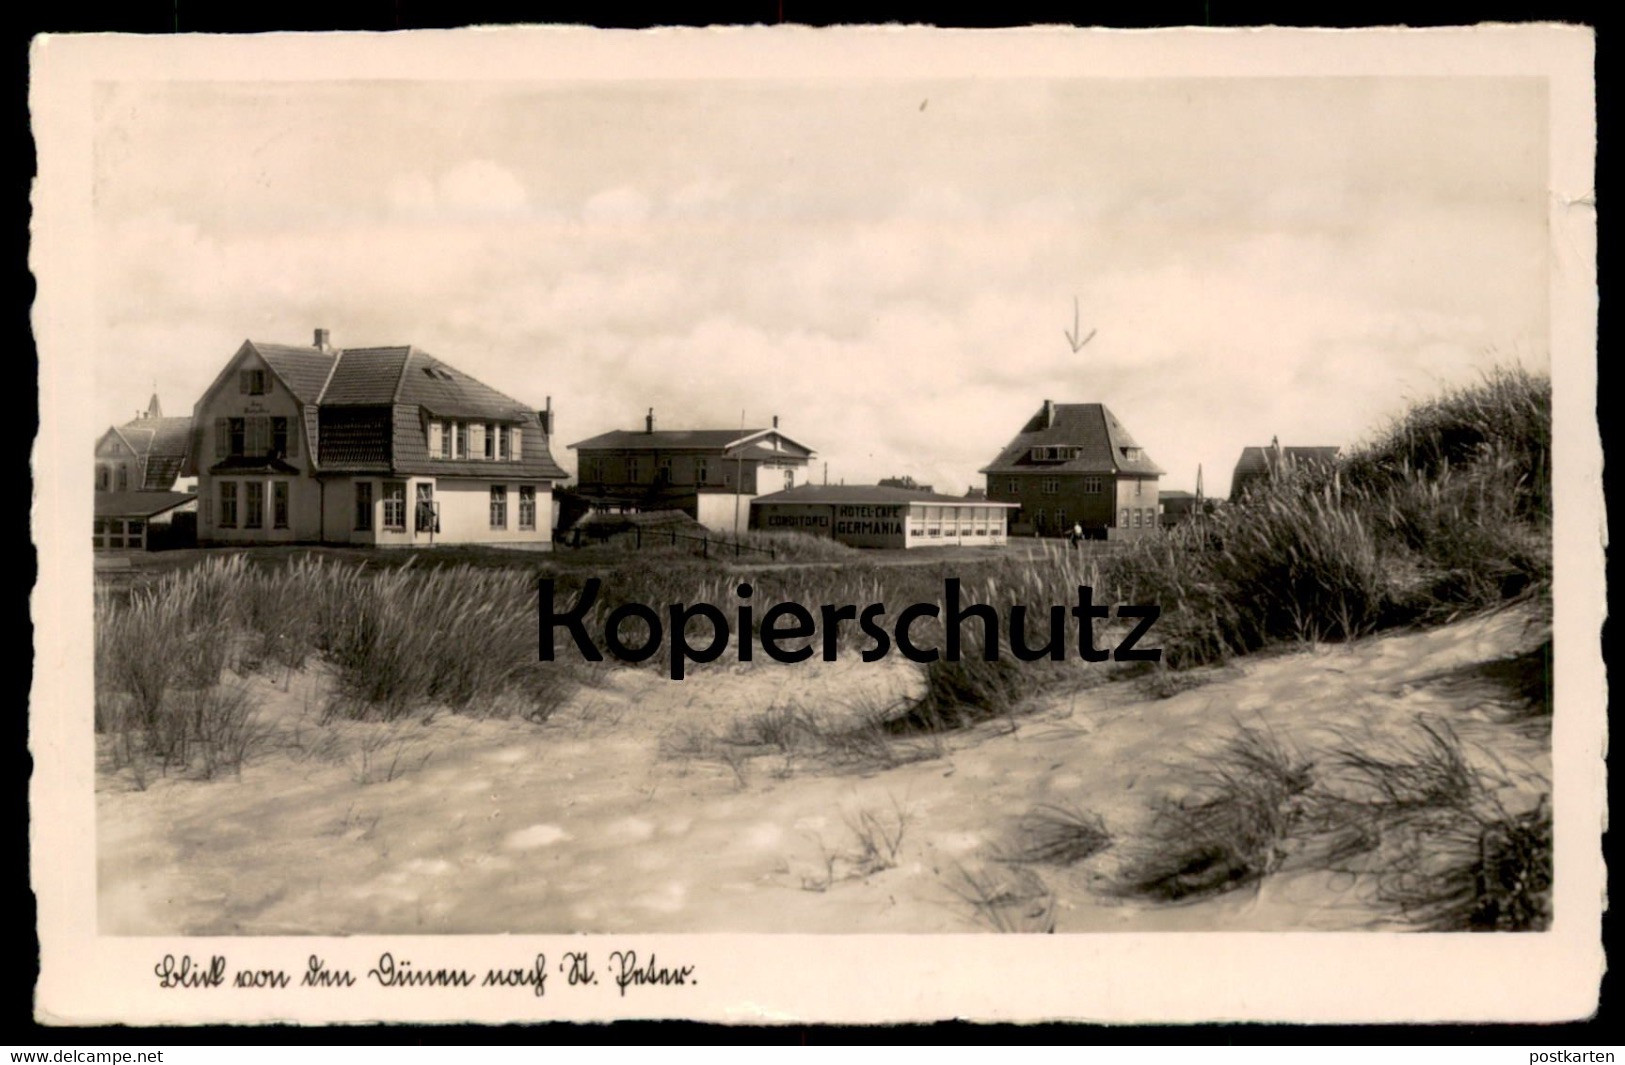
<point x="1076" y="463"/>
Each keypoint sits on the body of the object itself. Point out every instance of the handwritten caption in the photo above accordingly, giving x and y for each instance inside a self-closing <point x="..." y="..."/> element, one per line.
<point x="624" y="970"/>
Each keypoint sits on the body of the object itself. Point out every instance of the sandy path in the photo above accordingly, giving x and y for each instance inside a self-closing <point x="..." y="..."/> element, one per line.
<point x="583" y="825"/>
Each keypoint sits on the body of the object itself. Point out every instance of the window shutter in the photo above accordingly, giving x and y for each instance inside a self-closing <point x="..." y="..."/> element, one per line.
<point x="518" y="435"/>
<point x="434" y="439"/>
<point x="242" y="381"/>
<point x="296" y="425"/>
<point x="222" y="438"/>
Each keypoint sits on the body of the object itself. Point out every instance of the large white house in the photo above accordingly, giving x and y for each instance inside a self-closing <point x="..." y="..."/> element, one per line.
<point x="387" y="446"/>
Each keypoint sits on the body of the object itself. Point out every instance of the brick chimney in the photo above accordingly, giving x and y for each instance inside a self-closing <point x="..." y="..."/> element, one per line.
<point x="322" y="341"/>
<point x="1049" y="413"/>
<point x="775" y="421"/>
<point x="649" y="422"/>
<point x="546" y="416"/>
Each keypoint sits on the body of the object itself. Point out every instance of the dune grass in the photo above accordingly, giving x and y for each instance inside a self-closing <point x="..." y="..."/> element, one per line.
<point x="1011" y="899"/>
<point x="1058" y="834"/>
<point x="1229" y="830"/>
<point x="170" y="657"/>
<point x="1413" y="816"/>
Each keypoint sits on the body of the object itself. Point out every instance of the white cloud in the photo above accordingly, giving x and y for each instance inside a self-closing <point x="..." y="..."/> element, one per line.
<point x="616" y="207"/>
<point x="477" y="189"/>
<point x="481" y="187"/>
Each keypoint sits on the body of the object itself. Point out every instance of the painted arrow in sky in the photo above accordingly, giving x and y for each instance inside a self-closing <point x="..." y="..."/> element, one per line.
<point x="1072" y="334"/>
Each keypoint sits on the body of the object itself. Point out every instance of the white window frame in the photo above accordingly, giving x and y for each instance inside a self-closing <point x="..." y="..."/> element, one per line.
<point x="499" y="506"/>
<point x="396" y="503"/>
<point x="527" y="500"/>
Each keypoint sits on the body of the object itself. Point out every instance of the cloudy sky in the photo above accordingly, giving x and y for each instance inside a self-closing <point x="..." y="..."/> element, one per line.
<point x="888" y="265"/>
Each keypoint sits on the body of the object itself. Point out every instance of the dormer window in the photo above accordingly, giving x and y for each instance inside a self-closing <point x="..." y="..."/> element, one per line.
<point x="253" y="383"/>
<point x="1132" y="454"/>
<point x="1055" y="453"/>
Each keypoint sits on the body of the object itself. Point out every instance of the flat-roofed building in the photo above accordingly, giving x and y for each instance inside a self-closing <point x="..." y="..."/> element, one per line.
<point x="869" y="515"/>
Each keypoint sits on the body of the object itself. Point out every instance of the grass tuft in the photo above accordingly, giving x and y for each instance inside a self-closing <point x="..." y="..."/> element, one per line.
<point x="1229" y="832"/>
<point x="1006" y="899"/>
<point x="1058" y="834"/>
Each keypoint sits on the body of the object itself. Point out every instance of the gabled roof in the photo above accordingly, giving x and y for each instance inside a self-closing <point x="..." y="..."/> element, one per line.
<point x="1104" y="442"/>
<point x="719" y="440"/>
<point x="667" y="439"/>
<point x="115" y="442"/>
<point x="1258" y="461"/>
<point x="866" y="493"/>
<point x="755" y="453"/>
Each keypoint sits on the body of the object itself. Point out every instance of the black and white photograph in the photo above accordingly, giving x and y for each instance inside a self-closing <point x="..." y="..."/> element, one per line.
<point x="689" y="523"/>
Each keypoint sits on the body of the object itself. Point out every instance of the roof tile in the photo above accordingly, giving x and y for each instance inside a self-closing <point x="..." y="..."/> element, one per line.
<point x="1104" y="441"/>
<point x="304" y="370"/>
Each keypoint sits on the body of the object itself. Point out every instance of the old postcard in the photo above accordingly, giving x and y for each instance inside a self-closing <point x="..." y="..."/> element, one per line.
<point x="784" y="525"/>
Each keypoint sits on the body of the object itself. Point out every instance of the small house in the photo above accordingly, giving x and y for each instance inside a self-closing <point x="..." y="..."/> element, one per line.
<point x="1258" y="464"/>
